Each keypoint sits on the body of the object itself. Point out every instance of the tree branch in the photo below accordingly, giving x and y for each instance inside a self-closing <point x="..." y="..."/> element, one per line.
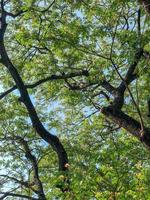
<point x="101" y="93"/>
<point x="22" y="183"/>
<point x="2" y="95"/>
<point x="58" y="77"/>
<point x="46" y="9"/>
<point x="15" y="15"/>
<point x="119" y="100"/>
<point x="107" y="86"/>
<point x="6" y="194"/>
<point x="128" y="123"/>
<point x="38" y="126"/>
<point x="50" y="78"/>
<point x="130" y="76"/>
<point x="34" y="163"/>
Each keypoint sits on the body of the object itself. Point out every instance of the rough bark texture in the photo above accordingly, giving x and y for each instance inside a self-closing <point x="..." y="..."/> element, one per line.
<point x="128" y="123"/>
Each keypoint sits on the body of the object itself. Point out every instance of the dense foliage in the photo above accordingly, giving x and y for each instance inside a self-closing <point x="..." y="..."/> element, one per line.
<point x="74" y="87"/>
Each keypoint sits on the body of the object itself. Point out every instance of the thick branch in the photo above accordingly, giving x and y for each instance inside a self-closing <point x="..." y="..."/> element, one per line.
<point x="103" y="83"/>
<point x="51" y="139"/>
<point x="38" y="126"/>
<point x="3" y="24"/>
<point x="128" y="123"/>
<point x="107" y="86"/>
<point x="130" y="76"/>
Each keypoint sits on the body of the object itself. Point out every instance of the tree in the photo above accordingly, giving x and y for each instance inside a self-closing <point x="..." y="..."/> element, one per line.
<point x="80" y="70"/>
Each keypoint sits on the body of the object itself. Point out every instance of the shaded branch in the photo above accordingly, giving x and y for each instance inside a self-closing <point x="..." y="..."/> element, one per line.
<point x="130" y="76"/>
<point x="6" y="194"/>
<point x="101" y="93"/>
<point x="22" y="183"/>
<point x="79" y="86"/>
<point x="46" y="9"/>
<point x="34" y="163"/>
<point x="58" y="77"/>
<point x="103" y="83"/>
<point x="107" y="86"/>
<point x="128" y="123"/>
<point x="119" y="100"/>
<point x="50" y="78"/>
<point x="15" y="15"/>
<point x="37" y="124"/>
<point x="2" y="95"/>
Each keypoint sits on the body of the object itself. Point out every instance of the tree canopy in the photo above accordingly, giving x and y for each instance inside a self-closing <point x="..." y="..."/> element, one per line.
<point x="74" y="99"/>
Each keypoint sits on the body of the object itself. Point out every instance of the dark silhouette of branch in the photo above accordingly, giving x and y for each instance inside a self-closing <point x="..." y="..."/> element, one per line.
<point x="130" y="75"/>
<point x="22" y="183"/>
<point x="46" y="9"/>
<point x="107" y="86"/>
<point x="114" y="111"/>
<point x="49" y="78"/>
<point x="38" y="126"/>
<point x="58" y="77"/>
<point x="128" y="123"/>
<point x="6" y="194"/>
<point x="2" y="95"/>
<point x="15" y="15"/>
<point x="102" y="93"/>
<point x="119" y="100"/>
<point x="34" y="163"/>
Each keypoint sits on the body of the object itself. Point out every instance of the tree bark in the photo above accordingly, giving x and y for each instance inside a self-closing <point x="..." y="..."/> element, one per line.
<point x="128" y="123"/>
<point x="25" y="98"/>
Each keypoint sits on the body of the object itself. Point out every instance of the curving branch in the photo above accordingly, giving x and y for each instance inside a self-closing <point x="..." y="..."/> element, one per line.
<point x="128" y="123"/>
<point x="6" y="194"/>
<point x="15" y="15"/>
<point x="49" y="78"/>
<point x="3" y="94"/>
<point x="58" y="77"/>
<point x="130" y="75"/>
<point x="34" y="164"/>
<point x="114" y="111"/>
<point x="21" y="182"/>
<point x="25" y="98"/>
